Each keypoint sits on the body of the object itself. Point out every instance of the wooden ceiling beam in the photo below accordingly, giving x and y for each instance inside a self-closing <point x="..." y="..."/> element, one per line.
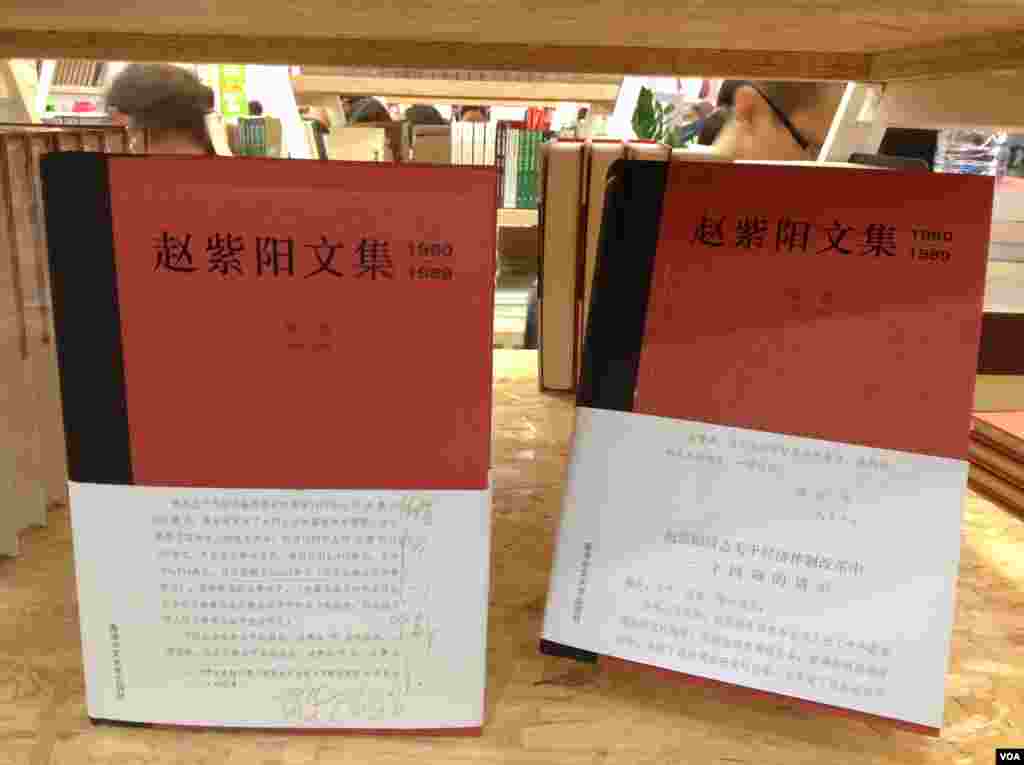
<point x="341" y="51"/>
<point x="969" y="55"/>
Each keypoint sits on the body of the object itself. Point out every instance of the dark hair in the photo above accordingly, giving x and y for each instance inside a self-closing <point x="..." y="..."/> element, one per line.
<point x="713" y="125"/>
<point x="162" y="97"/>
<point x="255" y="109"/>
<point x="727" y="91"/>
<point x="421" y="114"/>
<point x="369" y="110"/>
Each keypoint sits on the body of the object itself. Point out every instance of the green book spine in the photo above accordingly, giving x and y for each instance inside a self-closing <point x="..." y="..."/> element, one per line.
<point x="534" y="150"/>
<point x="520" y="184"/>
<point x="528" y="193"/>
<point x="513" y="171"/>
<point x="528" y="140"/>
<point x="524" y="159"/>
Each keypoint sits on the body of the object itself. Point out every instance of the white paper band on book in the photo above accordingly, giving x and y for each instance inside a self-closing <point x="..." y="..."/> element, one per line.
<point x="809" y="568"/>
<point x="348" y="609"/>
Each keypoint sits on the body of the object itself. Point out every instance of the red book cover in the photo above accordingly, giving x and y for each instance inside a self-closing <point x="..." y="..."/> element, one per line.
<point x="321" y="326"/>
<point x="841" y="285"/>
<point x="776" y="392"/>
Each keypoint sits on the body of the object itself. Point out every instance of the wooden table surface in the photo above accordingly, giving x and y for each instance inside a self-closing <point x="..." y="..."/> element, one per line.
<point x="541" y="710"/>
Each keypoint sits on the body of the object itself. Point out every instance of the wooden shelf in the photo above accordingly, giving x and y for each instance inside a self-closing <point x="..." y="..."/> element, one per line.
<point x="540" y="710"/>
<point x="496" y="93"/>
<point x="76" y="90"/>
<point x="517" y="218"/>
<point x="857" y="40"/>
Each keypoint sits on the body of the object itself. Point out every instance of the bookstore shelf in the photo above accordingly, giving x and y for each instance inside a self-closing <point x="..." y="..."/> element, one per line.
<point x="858" y="40"/>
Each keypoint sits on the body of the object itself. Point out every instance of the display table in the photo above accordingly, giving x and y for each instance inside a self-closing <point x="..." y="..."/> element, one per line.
<point x="540" y="710"/>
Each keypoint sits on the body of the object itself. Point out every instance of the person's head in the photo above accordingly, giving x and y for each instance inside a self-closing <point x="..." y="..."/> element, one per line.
<point x="421" y="114"/>
<point x="169" y="102"/>
<point x="255" y="109"/>
<point x="780" y="121"/>
<point x="348" y="105"/>
<point x="713" y="125"/>
<point x="474" y="114"/>
<point x="727" y="92"/>
<point x="369" y="110"/>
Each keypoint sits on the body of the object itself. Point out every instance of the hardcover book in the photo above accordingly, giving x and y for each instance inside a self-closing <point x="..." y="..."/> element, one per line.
<point x="279" y="474"/>
<point x="775" y="396"/>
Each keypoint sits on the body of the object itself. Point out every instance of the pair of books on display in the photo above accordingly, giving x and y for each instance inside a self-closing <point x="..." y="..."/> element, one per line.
<point x="296" y="469"/>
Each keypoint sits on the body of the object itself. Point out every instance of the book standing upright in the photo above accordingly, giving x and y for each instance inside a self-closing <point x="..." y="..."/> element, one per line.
<point x="782" y="385"/>
<point x="273" y="526"/>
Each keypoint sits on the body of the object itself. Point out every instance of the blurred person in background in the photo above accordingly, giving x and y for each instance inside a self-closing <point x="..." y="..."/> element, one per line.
<point x="368" y="110"/>
<point x="421" y="114"/>
<point x="779" y="121"/>
<point x="715" y="121"/>
<point x="475" y="114"/>
<point x="167" y="101"/>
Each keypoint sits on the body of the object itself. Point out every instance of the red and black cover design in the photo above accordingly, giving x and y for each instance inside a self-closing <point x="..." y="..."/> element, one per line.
<point x="271" y="324"/>
<point x="828" y="303"/>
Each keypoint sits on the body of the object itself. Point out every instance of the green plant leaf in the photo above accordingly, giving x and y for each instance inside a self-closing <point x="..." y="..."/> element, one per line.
<point x="645" y="119"/>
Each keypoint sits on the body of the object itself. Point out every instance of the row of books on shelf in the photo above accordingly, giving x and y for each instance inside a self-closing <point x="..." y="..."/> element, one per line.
<point x="518" y="163"/>
<point x="510" y="147"/>
<point x="756" y="390"/>
<point x="78" y="73"/>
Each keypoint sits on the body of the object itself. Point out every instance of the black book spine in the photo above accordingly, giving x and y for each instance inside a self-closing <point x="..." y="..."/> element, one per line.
<point x="86" y="315"/>
<point x="624" y="271"/>
<point x="627" y="245"/>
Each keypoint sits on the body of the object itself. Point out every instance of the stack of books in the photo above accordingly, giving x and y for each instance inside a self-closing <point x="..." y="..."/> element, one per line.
<point x="996" y="452"/>
<point x="516" y="157"/>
